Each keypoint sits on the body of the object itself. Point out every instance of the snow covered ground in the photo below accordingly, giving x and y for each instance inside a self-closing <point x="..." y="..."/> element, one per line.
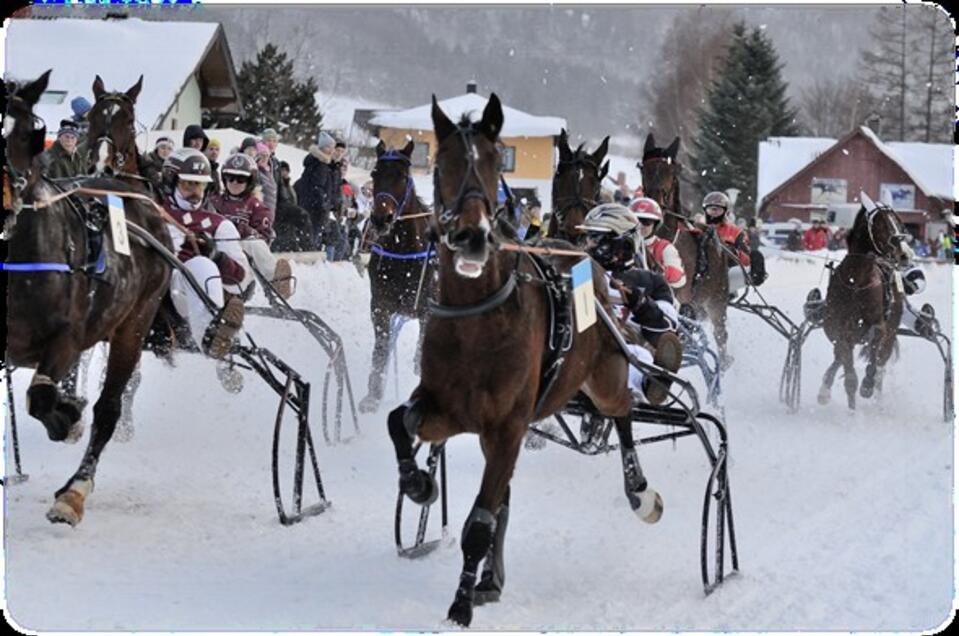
<point x="844" y="521"/>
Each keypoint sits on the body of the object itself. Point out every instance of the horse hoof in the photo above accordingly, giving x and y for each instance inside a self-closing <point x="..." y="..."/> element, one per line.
<point x="369" y="404"/>
<point x="68" y="509"/>
<point x="866" y="390"/>
<point x="420" y="488"/>
<point x="74" y="434"/>
<point x="825" y="395"/>
<point x="486" y="591"/>
<point x="647" y="505"/>
<point x="461" y="613"/>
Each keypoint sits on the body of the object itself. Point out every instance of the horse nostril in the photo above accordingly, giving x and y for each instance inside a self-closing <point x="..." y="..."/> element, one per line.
<point x="460" y="236"/>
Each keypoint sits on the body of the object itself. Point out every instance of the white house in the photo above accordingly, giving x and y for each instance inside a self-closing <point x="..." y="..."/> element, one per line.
<point x="186" y="66"/>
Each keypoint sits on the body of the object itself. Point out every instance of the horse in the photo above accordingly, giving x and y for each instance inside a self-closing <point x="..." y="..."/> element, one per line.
<point x="707" y="279"/>
<point x="576" y="187"/>
<point x="69" y="288"/>
<point x="402" y="276"/>
<point x="111" y="145"/>
<point x="486" y="352"/>
<point x="864" y="299"/>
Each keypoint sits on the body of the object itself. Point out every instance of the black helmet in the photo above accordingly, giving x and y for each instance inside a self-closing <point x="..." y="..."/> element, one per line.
<point x="240" y="165"/>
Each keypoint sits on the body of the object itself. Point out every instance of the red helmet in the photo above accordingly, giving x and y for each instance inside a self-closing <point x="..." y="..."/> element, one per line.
<point x="646" y="208"/>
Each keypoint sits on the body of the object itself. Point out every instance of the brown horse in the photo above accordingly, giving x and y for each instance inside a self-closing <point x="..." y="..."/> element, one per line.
<point x="707" y="279"/>
<point x="576" y="187"/>
<point x="111" y="137"/>
<point x="402" y="277"/>
<point x="485" y="353"/>
<point x="68" y="289"/>
<point x="864" y="300"/>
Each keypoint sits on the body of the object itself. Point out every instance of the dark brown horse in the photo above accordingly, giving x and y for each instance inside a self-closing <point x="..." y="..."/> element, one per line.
<point x="402" y="277"/>
<point x="70" y="288"/>
<point x="707" y="279"/>
<point x="485" y="353"/>
<point x="864" y="300"/>
<point x="576" y="187"/>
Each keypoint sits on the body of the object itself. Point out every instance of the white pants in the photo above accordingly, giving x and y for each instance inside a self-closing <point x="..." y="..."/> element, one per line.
<point x="636" y="375"/>
<point x="737" y="280"/>
<point x="259" y="252"/>
<point x="186" y="301"/>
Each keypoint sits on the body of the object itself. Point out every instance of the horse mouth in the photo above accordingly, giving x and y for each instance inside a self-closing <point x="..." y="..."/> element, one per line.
<point x="467" y="267"/>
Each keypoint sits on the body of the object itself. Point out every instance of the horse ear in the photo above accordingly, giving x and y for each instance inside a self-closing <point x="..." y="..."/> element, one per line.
<point x="565" y="154"/>
<point x="600" y="153"/>
<point x="673" y="148"/>
<point x="492" y="121"/>
<point x="408" y="148"/>
<point x="442" y="125"/>
<point x="380" y="148"/>
<point x="650" y="144"/>
<point x="135" y="90"/>
<point x="31" y="92"/>
<point x="98" y="88"/>
<point x="867" y="201"/>
<point x="604" y="170"/>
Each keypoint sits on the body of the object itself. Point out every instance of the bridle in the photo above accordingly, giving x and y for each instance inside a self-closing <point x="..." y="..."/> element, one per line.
<point x="471" y="187"/>
<point x="563" y="204"/>
<point x="16" y="180"/>
<point x="398" y="206"/>
<point x="118" y="154"/>
<point x="897" y="235"/>
<point x="664" y="195"/>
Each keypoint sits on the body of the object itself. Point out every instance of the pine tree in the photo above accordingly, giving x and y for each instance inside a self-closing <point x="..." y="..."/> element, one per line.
<point x="885" y="70"/>
<point x="272" y="98"/>
<point x="934" y="43"/>
<point x="746" y="104"/>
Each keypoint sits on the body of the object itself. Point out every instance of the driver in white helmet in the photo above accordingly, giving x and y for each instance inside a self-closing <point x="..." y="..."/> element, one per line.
<point x="661" y="255"/>
<point x="645" y="297"/>
<point x="216" y="260"/>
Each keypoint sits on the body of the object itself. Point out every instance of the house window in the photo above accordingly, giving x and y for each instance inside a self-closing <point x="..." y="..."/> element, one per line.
<point x="898" y="196"/>
<point x="507" y="158"/>
<point x="421" y="155"/>
<point x="828" y="190"/>
<point x="52" y="97"/>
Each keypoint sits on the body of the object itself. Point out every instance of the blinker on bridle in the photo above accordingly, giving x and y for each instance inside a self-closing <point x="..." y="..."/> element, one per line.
<point x="393" y="155"/>
<point x="577" y="199"/>
<point x="118" y="158"/>
<point x="449" y="215"/>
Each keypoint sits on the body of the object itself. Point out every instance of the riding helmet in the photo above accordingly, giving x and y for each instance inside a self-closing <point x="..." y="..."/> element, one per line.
<point x="241" y="165"/>
<point x="646" y="208"/>
<point x="611" y="234"/>
<point x="188" y="164"/>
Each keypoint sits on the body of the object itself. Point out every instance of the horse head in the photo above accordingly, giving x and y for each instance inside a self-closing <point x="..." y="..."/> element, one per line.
<point x="112" y="135"/>
<point x="464" y="180"/>
<point x="393" y="191"/>
<point x="23" y="135"/>
<point x="576" y="187"/>
<point x="879" y="230"/>
<point x="660" y="172"/>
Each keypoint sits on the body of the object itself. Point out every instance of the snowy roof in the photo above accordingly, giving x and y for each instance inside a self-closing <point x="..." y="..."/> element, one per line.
<point x="118" y="50"/>
<point x="930" y="166"/>
<point x="516" y="123"/>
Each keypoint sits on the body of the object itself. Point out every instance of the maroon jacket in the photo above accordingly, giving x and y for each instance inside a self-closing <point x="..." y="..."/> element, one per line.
<point x="251" y="217"/>
<point x="208" y="222"/>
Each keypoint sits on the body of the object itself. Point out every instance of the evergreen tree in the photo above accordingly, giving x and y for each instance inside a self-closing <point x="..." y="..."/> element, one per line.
<point x="272" y="98"/>
<point x="746" y="103"/>
<point x="934" y="44"/>
<point x="885" y="70"/>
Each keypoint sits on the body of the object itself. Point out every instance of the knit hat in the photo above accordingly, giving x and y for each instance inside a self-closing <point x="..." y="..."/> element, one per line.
<point x="284" y="165"/>
<point x="341" y="144"/>
<point x="262" y="149"/>
<point x="269" y="135"/>
<point x="80" y="106"/>
<point x="247" y="143"/>
<point x="325" y="140"/>
<point x="163" y="140"/>
<point x="69" y="127"/>
<point x="214" y="143"/>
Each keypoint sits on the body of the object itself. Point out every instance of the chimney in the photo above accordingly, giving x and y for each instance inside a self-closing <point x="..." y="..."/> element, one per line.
<point x="471" y="86"/>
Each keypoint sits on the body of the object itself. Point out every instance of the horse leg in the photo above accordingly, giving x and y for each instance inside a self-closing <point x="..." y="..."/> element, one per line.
<point x="381" y="353"/>
<point x="60" y="414"/>
<point x="122" y="361"/>
<point x="490" y="587"/>
<point x="419" y="346"/>
<point x="717" y="314"/>
<point x="645" y="502"/>
<point x="501" y="449"/>
<point x="886" y="342"/>
<point x="868" y="385"/>
<point x="825" y="391"/>
<point x="404" y="423"/>
<point x="844" y="353"/>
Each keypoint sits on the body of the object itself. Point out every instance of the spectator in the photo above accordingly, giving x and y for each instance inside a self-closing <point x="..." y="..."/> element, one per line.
<point x="294" y="231"/>
<point x="816" y="237"/>
<point x="81" y="107"/>
<point x="919" y="247"/>
<point x="932" y="246"/>
<point x="272" y="139"/>
<point x="151" y="165"/>
<point x="194" y="137"/>
<point x="341" y="164"/>
<point x="212" y="153"/>
<point x="945" y="242"/>
<point x="248" y="147"/>
<point x="794" y="240"/>
<point x="364" y="200"/>
<point x="318" y="188"/>
<point x="267" y="180"/>
<point x="61" y="160"/>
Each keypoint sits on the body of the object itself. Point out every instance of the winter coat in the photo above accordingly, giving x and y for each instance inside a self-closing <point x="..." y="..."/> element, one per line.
<point x="57" y="164"/>
<point x="251" y="218"/>
<point x="268" y="183"/>
<point x="316" y="188"/>
<point x="665" y="256"/>
<point x="194" y="131"/>
<point x="815" y="238"/>
<point x="294" y="231"/>
<point x="285" y="195"/>
<point x="282" y="196"/>
<point x="232" y="270"/>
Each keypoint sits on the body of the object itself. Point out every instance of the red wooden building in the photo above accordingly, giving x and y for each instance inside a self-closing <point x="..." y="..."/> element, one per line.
<point x="809" y="178"/>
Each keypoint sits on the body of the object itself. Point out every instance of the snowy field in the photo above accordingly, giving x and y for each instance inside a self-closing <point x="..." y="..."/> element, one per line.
<point x="844" y="521"/>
